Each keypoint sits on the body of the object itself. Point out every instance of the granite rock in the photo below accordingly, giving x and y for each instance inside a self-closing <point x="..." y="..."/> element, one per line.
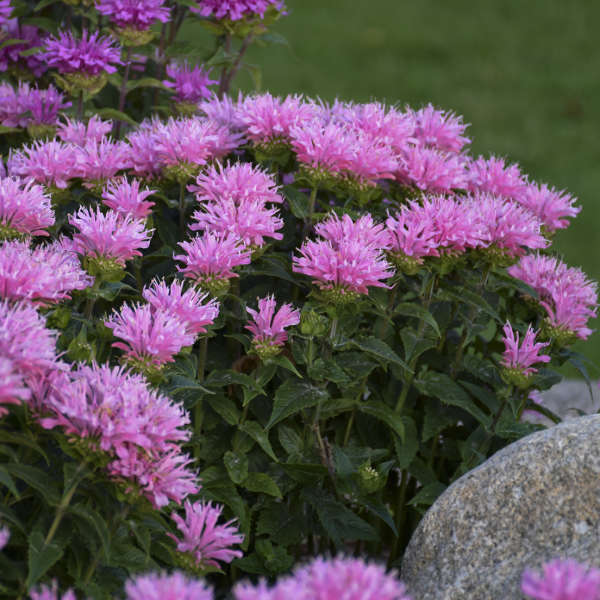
<point x="533" y="501"/>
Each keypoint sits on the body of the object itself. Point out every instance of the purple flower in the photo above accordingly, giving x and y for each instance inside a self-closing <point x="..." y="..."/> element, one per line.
<point x="126" y="198"/>
<point x="190" y="84"/>
<point x="101" y="160"/>
<point x="439" y="129"/>
<point x="12" y="391"/>
<point x="46" y="592"/>
<point x="175" y="586"/>
<point x="45" y="274"/>
<point x="42" y="105"/>
<point x="10" y="56"/>
<point x="92" y="54"/>
<point x="234" y="10"/>
<point x="562" y="580"/>
<point x="518" y="359"/>
<point x="80" y="134"/>
<point x="25" y="208"/>
<point x="11" y="112"/>
<point x="144" y="156"/>
<point x="135" y="14"/>
<point x="223" y="111"/>
<point x="187" y="306"/>
<point x="363" y="230"/>
<point x="550" y="206"/>
<point x="5" y="11"/>
<point x="210" y="259"/>
<point x="202" y="538"/>
<point x="496" y="177"/>
<point x="268" y="327"/>
<point x="4" y="536"/>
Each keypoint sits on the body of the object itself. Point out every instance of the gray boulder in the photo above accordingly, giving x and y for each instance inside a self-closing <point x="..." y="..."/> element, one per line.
<point x="533" y="501"/>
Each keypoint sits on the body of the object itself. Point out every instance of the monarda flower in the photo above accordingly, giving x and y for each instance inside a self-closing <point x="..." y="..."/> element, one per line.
<point x="144" y="159"/>
<point x="11" y="56"/>
<point x="84" y="62"/>
<point x="50" y="163"/>
<point x="347" y="578"/>
<point x="364" y="230"/>
<point x="151" y="338"/>
<point x="25" y="208"/>
<point x="108" y="241"/>
<point x="80" y="133"/>
<point x="210" y="259"/>
<point x="496" y="177"/>
<point x="27" y="351"/>
<point x="567" y="295"/>
<point x="131" y="16"/>
<point x="42" y="108"/>
<point x="100" y="161"/>
<point x="562" y="580"/>
<point x="175" y="586"/>
<point x="234" y="10"/>
<point x="268" y="326"/>
<point x="439" y="129"/>
<point x="241" y="182"/>
<point x="517" y="360"/>
<point x="5" y="11"/>
<point x="223" y="111"/>
<point x="189" y="85"/>
<point x="250" y="221"/>
<point x="204" y="543"/>
<point x="189" y="306"/>
<point x="47" y="592"/>
<point x="551" y="207"/>
<point x="127" y="198"/>
<point x="45" y="274"/>
<point x="113" y="410"/>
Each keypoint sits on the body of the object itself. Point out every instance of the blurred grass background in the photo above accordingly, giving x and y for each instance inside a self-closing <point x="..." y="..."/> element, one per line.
<point x="524" y="73"/>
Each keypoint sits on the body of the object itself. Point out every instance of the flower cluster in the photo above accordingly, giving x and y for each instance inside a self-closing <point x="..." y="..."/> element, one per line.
<point x="234" y="10"/>
<point x="127" y="198"/>
<point x="562" y="580"/>
<point x="189" y="84"/>
<point x="12" y="55"/>
<point x="134" y="14"/>
<point x="517" y="360"/>
<point x="175" y="586"/>
<point x="80" y="133"/>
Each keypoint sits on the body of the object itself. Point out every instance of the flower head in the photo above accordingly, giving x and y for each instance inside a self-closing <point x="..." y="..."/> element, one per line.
<point x="187" y="306"/>
<point x="562" y="580"/>
<point x="223" y="111"/>
<point x="46" y="592"/>
<point x="364" y="230"/>
<point x="80" y="133"/>
<point x="143" y="150"/>
<point x="127" y="198"/>
<point x="518" y="359"/>
<point x="203" y="539"/>
<point x="268" y="326"/>
<point x="11" y="56"/>
<point x="25" y="208"/>
<point x="439" y="129"/>
<point x="496" y="177"/>
<point x="234" y="10"/>
<point x="92" y="54"/>
<point x="190" y="84"/>
<point x="101" y="160"/>
<point x="5" y="11"/>
<point x="41" y="106"/>
<point x="210" y="259"/>
<point x="135" y="14"/>
<point x="551" y="207"/>
<point x="175" y="586"/>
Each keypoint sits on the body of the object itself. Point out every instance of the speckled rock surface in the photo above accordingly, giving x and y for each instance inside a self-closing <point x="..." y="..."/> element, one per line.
<point x="535" y="500"/>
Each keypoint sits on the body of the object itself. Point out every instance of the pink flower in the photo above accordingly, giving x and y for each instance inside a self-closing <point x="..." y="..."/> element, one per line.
<point x="206" y="541"/>
<point x="44" y="274"/>
<point x="334" y="579"/>
<point x="151" y="337"/>
<point x="126" y="198"/>
<point x="41" y="106"/>
<point x="102" y="160"/>
<point x="5" y="11"/>
<point x="235" y="10"/>
<point x="160" y="478"/>
<point x="495" y="176"/>
<point x="46" y="592"/>
<point x="562" y="580"/>
<point x="11" y="56"/>
<point x="364" y="230"/>
<point x="93" y="54"/>
<point x="250" y="221"/>
<point x="190" y="84"/>
<point x="551" y="207"/>
<point x="80" y="134"/>
<point x="268" y="326"/>
<point x="241" y="182"/>
<point x="223" y="111"/>
<point x="268" y="119"/>
<point x="412" y="233"/>
<point x="144" y="156"/>
<point x="50" y="163"/>
<point x="210" y="258"/>
<point x="521" y="357"/>
<point x="25" y="208"/>
<point x="568" y="297"/>
<point x="112" y="236"/>
<point x="431" y="170"/>
<point x="12" y="391"/>
<point x="4" y="536"/>
<point x="187" y="306"/>
<point x="439" y="129"/>
<point x="175" y="586"/>
<point x="135" y="14"/>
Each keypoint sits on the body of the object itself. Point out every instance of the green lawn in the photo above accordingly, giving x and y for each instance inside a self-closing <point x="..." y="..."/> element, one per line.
<point x="524" y="73"/>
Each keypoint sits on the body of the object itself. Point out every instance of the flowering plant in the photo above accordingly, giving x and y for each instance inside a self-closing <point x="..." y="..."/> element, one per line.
<point x="253" y="329"/>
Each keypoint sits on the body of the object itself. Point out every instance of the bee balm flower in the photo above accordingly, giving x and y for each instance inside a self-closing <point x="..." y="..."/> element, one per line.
<point x="562" y="580"/>
<point x="517" y="360"/>
<point x="175" y="586"/>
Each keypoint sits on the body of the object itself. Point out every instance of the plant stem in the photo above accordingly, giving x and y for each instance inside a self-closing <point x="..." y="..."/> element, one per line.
<point x="399" y="514"/>
<point x="123" y="92"/>
<point x="348" y="428"/>
<point x="202" y="357"/>
<point x="223" y="79"/>
<point x="91" y="301"/>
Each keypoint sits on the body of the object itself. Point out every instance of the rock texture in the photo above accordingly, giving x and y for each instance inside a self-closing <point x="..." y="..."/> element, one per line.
<point x="533" y="501"/>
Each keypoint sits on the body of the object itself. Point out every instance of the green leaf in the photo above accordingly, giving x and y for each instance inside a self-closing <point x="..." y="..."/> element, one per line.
<point x="383" y="512"/>
<point x="49" y="25"/>
<point x="224" y="378"/>
<point x="180" y="383"/>
<point x="292" y="397"/>
<point x="328" y="370"/>
<point x="23" y="440"/>
<point x="440" y="386"/>
<point x="413" y="345"/>
<point x="31" y="51"/>
<point x="408" y="309"/>
<point x="282" y="526"/>
<point x="298" y="202"/>
<point x="4" y="129"/>
<point x="384" y="413"/>
<point x="284" y="362"/>
<point x="43" y="4"/>
<point x="8" y="481"/>
<point x="41" y="557"/>
<point x="407" y="448"/>
<point x="428" y="494"/>
<point x="261" y="483"/>
<point x="225" y="408"/>
<point x="97" y="522"/>
<point x="435" y="419"/>
<point x="237" y="466"/>
<point x="37" y="479"/>
<point x="356" y="364"/>
<point x="116" y="115"/>
<point x="258" y="434"/>
<point x="145" y="82"/>
<point x="305" y="472"/>
<point x="466" y="296"/>
<point x="380" y="350"/>
<point x="12" y="42"/>
<point x="290" y="440"/>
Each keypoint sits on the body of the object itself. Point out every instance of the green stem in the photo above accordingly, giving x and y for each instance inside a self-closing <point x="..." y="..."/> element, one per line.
<point x="202" y="357"/>
<point x="231" y="73"/>
<point x="311" y="211"/>
<point x="91" y="301"/>
<point x="399" y="514"/>
<point x="349" y="428"/>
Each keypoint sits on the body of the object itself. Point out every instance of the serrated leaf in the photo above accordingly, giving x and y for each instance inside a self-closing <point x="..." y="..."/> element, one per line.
<point x="305" y="472"/>
<point x="145" y="82"/>
<point x="407" y="448"/>
<point x="292" y="397"/>
<point x="428" y="494"/>
<point x="298" y="202"/>
<point x="44" y="23"/>
<point x="261" y="483"/>
<point x="259" y="435"/>
<point x="37" y="479"/>
<point x="408" y="309"/>
<point x="23" y="440"/>
<point x="97" y="522"/>
<point x="289" y="440"/>
<point x="285" y="363"/>
<point x="385" y="414"/>
<point x="43" y="4"/>
<point x="435" y="420"/>
<point x="466" y="296"/>
<point x="378" y="348"/>
<point x="439" y="385"/>
<point x="282" y="526"/>
<point x="116" y="115"/>
<point x="383" y="512"/>
<point x="8" y="481"/>
<point x="413" y="345"/>
<point x="31" y="51"/>
<point x="225" y="408"/>
<point x="41" y="557"/>
<point x="180" y="383"/>
<point x="236" y="465"/>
